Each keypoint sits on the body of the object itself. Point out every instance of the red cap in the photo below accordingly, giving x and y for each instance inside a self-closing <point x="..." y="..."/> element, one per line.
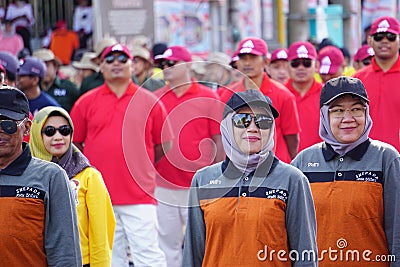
<point x="363" y="52"/>
<point x="252" y="45"/>
<point x="385" y="24"/>
<point x="302" y="50"/>
<point x="61" y="24"/>
<point x="177" y="53"/>
<point x="116" y="48"/>
<point x="279" y="54"/>
<point x="330" y="59"/>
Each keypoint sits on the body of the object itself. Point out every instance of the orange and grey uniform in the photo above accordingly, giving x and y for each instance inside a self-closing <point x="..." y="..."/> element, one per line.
<point x="38" y="226"/>
<point x="237" y="220"/>
<point x="357" y="199"/>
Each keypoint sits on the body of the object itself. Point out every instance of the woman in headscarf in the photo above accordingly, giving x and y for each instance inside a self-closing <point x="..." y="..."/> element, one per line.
<point x="251" y="205"/>
<point x="354" y="180"/>
<point x="51" y="140"/>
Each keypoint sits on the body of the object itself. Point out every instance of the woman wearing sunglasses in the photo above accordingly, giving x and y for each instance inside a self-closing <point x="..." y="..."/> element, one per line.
<point x="246" y="209"/>
<point x="51" y="140"/>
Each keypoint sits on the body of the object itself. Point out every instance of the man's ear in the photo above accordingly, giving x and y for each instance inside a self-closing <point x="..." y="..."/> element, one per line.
<point x="369" y="40"/>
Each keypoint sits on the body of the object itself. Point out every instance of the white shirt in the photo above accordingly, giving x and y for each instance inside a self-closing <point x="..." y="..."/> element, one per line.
<point x="14" y="11"/>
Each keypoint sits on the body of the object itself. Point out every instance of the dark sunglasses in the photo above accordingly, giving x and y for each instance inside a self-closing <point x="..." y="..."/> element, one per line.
<point x="243" y="120"/>
<point x="121" y="58"/>
<point x="10" y="126"/>
<point x="366" y="61"/>
<point x="64" y="130"/>
<point x="306" y="62"/>
<point x="379" y="36"/>
<point x="168" y="63"/>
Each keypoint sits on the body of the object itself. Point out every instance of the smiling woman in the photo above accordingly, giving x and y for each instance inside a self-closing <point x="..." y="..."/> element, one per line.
<point x="250" y="192"/>
<point x="51" y="136"/>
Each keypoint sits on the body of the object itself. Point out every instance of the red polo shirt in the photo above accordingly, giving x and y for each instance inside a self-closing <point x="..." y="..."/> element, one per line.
<point x="384" y="101"/>
<point x="194" y="118"/>
<point x="308" y="107"/>
<point x="119" y="136"/>
<point x="288" y="121"/>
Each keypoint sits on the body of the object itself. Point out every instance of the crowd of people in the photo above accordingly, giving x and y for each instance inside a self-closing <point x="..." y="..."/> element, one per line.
<point x="147" y="157"/>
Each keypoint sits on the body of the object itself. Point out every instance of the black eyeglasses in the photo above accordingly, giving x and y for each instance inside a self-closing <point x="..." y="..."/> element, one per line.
<point x="10" y="126"/>
<point x="306" y="62"/>
<point x="379" y="36"/>
<point x="64" y="130"/>
<point x="169" y="63"/>
<point x="366" y="61"/>
<point x="121" y="58"/>
<point x="243" y="120"/>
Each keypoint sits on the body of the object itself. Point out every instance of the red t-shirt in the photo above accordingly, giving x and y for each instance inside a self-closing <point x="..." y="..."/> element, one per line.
<point x="119" y="136"/>
<point x="384" y="101"/>
<point x="308" y="107"/>
<point x="288" y="121"/>
<point x="194" y="118"/>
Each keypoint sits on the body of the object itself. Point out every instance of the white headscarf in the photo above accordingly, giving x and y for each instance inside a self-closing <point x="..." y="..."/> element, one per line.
<point x="326" y="134"/>
<point x="244" y="162"/>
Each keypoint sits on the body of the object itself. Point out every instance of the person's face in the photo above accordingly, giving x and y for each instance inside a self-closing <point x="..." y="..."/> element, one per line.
<point x="25" y="82"/>
<point x="11" y="144"/>
<point x="85" y="72"/>
<point x="251" y="140"/>
<point x="51" y="72"/>
<point x="175" y="70"/>
<point x="139" y="66"/>
<point x="57" y="144"/>
<point x="251" y="65"/>
<point x="302" y="70"/>
<point x="385" y="49"/>
<point x="327" y="77"/>
<point x="120" y="68"/>
<point x="349" y="128"/>
<point x="279" y="71"/>
<point x="215" y="73"/>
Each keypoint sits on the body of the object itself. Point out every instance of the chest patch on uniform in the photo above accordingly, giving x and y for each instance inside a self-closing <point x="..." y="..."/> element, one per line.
<point x="21" y="192"/>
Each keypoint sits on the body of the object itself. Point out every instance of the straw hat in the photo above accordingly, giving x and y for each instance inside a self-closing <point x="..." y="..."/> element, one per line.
<point x="86" y="62"/>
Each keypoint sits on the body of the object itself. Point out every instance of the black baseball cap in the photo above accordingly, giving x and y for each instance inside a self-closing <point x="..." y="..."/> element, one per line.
<point x="250" y="98"/>
<point x="13" y="103"/>
<point x="343" y="85"/>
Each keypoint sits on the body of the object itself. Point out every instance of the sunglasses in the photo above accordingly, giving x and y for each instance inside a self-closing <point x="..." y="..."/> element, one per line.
<point x="366" y="61"/>
<point x="121" y="58"/>
<point x="168" y="63"/>
<point x="243" y="120"/>
<point x="64" y="130"/>
<point x="10" y="126"/>
<point x="306" y="62"/>
<point x="379" y="36"/>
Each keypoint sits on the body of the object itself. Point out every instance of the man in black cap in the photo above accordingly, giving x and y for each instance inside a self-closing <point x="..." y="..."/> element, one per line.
<point x="354" y="179"/>
<point x="39" y="226"/>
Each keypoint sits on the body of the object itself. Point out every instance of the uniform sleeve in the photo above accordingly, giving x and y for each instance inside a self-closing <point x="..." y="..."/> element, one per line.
<point x="78" y="116"/>
<point x="301" y="222"/>
<point x="289" y="116"/>
<point x="101" y="219"/>
<point x="391" y="198"/>
<point x="62" y="244"/>
<point x="216" y="108"/>
<point x="162" y="131"/>
<point x="195" y="237"/>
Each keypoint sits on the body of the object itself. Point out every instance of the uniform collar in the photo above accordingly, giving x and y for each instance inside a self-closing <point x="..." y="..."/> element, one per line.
<point x="131" y="89"/>
<point x="18" y="166"/>
<point x="230" y="171"/>
<point x="357" y="153"/>
<point x="394" y="68"/>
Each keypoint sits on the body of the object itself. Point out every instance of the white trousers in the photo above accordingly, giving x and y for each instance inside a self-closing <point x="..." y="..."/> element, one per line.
<point x="172" y="215"/>
<point x="137" y="228"/>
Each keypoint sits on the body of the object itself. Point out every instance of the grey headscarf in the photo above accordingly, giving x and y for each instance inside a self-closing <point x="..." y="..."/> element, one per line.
<point x="326" y="134"/>
<point x="244" y="162"/>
